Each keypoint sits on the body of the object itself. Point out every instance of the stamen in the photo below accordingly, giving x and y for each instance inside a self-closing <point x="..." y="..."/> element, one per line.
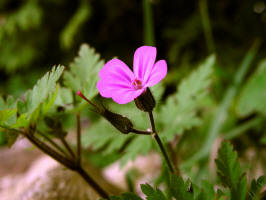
<point x="137" y="84"/>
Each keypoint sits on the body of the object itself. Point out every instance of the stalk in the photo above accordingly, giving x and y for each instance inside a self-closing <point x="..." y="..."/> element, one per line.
<point x="159" y="142"/>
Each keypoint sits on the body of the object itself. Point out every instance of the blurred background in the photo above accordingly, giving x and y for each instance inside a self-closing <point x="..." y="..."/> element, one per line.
<point x="37" y="34"/>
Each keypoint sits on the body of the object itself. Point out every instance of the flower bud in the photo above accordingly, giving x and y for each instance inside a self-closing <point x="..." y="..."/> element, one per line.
<point x="120" y="122"/>
<point x="145" y="101"/>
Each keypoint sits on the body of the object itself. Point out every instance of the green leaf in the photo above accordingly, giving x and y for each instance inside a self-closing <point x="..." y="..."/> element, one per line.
<point x="256" y="187"/>
<point x="83" y="74"/>
<point x="179" y="189"/>
<point x="253" y="94"/>
<point x="205" y="192"/>
<point x="21" y="121"/>
<point x="140" y="145"/>
<point x="50" y="101"/>
<point x="45" y="86"/>
<point x="230" y="173"/>
<point x="64" y="97"/>
<point x="152" y="194"/>
<point x="102" y="133"/>
<point x="179" y="112"/>
<point x="223" y="109"/>
<point x="6" y="116"/>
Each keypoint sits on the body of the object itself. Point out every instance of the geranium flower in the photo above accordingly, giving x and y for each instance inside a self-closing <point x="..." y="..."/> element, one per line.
<point x="118" y="82"/>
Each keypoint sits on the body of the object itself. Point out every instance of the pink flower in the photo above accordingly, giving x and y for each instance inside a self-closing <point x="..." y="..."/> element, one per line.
<point x="118" y="82"/>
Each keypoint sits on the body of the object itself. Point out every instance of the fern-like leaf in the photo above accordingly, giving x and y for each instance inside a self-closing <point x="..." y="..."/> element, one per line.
<point x="83" y="74"/>
<point x="230" y="173"/>
<point x="179" y="112"/>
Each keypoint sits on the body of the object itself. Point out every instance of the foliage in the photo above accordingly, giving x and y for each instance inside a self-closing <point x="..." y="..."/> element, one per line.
<point x="230" y="174"/>
<point x="186" y="101"/>
<point x="21" y="114"/>
<point x="254" y="91"/>
<point x="83" y="73"/>
<point x="256" y="186"/>
<point x="196" y="107"/>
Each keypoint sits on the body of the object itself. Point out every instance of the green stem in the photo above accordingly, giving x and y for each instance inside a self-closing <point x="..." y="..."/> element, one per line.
<point x="159" y="142"/>
<point x="203" y="6"/>
<point x="148" y="23"/>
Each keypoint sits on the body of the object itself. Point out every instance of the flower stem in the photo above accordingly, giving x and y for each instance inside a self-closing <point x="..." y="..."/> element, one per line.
<point x="140" y="132"/>
<point x="159" y="142"/>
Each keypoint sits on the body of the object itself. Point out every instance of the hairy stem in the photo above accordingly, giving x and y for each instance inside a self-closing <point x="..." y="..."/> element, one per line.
<point x="159" y="142"/>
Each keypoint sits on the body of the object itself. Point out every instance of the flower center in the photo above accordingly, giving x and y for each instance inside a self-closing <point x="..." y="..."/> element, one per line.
<point x="137" y="84"/>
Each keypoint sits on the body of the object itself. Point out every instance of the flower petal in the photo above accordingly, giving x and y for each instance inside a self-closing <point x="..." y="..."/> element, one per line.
<point x="158" y="73"/>
<point x="109" y="86"/>
<point x="118" y="70"/>
<point x="126" y="96"/>
<point x="144" y="59"/>
<point x="119" y="93"/>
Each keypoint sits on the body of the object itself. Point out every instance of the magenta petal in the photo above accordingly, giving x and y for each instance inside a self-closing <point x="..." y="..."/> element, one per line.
<point x="158" y="73"/>
<point x="144" y="59"/>
<point x="126" y="96"/>
<point x="118" y="70"/>
<point x="120" y="94"/>
<point x="109" y="86"/>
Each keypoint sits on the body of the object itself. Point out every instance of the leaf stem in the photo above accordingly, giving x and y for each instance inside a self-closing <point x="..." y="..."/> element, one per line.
<point x="159" y="142"/>
<point x="66" y="145"/>
<point x="52" y="153"/>
<point x="54" y="144"/>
